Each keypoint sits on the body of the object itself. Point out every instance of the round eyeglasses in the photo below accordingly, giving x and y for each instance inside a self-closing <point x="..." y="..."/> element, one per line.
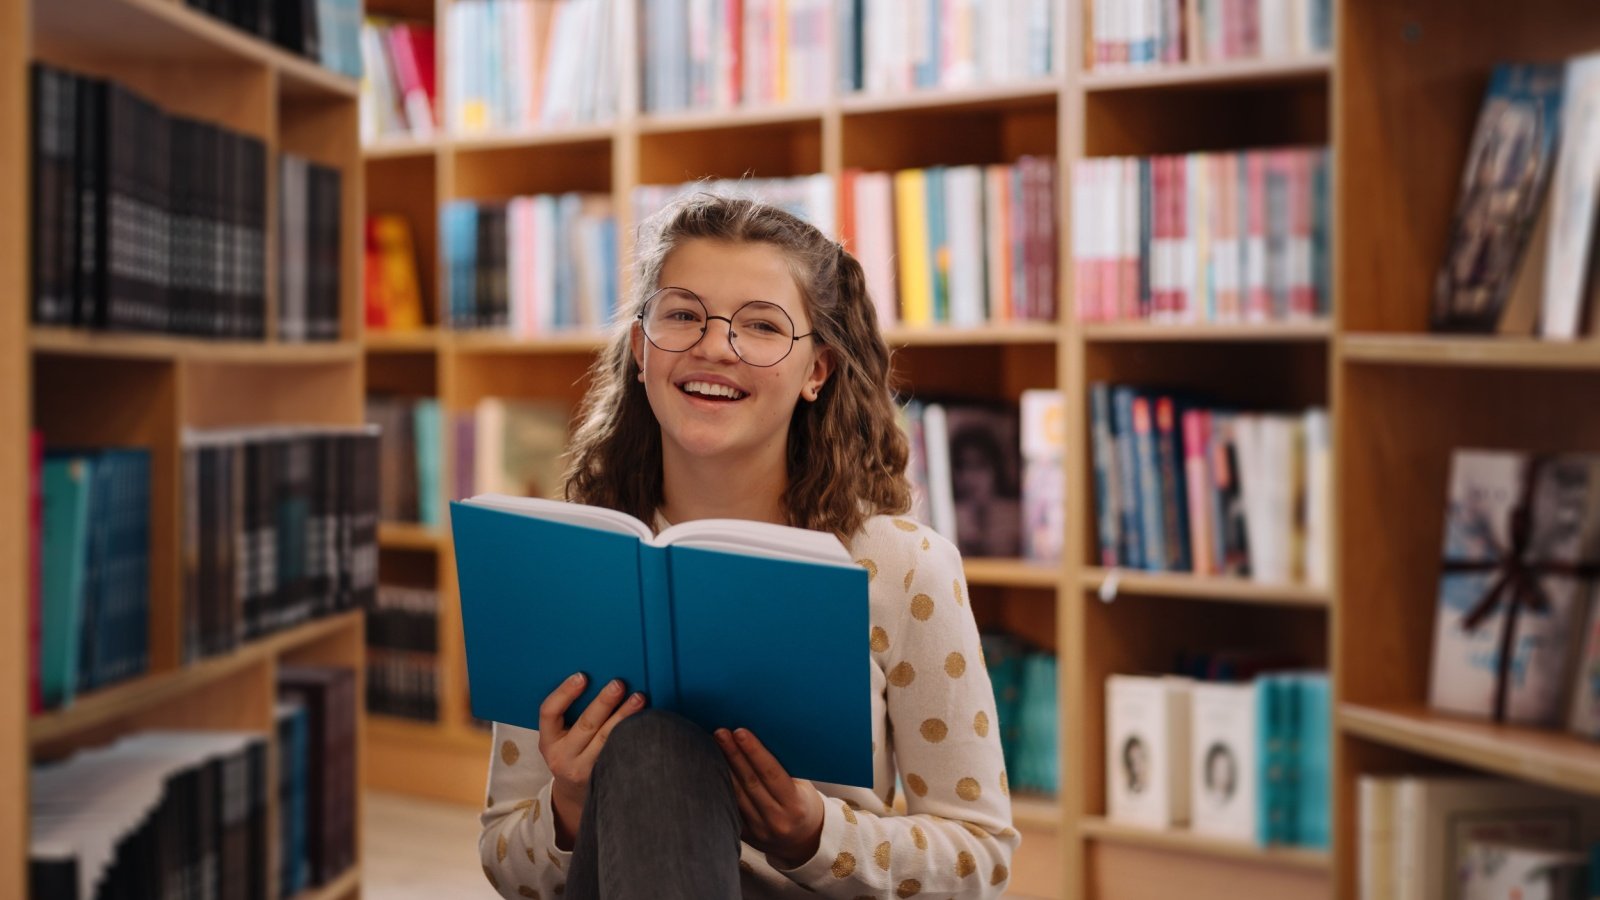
<point x="762" y="334"/>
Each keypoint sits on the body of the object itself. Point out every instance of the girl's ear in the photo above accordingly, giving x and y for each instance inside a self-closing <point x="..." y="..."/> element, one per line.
<point x="822" y="365"/>
<point x="636" y="346"/>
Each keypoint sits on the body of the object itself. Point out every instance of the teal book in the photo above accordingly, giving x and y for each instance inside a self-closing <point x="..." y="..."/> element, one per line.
<point x="1272" y="760"/>
<point x="427" y="426"/>
<point x="1315" y="732"/>
<point x="65" y="550"/>
<point x="731" y="624"/>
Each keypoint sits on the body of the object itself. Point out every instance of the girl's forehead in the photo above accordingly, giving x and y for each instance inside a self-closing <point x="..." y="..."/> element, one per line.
<point x="732" y="272"/>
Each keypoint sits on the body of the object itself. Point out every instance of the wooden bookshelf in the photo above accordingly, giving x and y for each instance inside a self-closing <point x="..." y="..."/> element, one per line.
<point x="1108" y="584"/>
<point x="1265" y="332"/>
<point x="1470" y="352"/>
<point x="1177" y="840"/>
<point x="1206" y="75"/>
<point x="410" y="536"/>
<point x="91" y="388"/>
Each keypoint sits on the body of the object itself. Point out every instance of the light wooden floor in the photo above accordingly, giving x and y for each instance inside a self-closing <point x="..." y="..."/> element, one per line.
<point x="421" y="850"/>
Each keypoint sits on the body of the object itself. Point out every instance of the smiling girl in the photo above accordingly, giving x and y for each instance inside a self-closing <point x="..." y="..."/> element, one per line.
<point x="752" y="383"/>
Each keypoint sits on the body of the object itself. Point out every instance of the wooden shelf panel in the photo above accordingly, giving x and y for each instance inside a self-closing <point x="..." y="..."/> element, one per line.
<point x="1094" y="828"/>
<point x="132" y="697"/>
<point x="1022" y="93"/>
<point x="717" y="120"/>
<point x="1218" y="74"/>
<point x="1035" y="811"/>
<point x="424" y="340"/>
<point x="410" y="536"/>
<point x="1023" y="573"/>
<point x="399" y="147"/>
<point x="1281" y="332"/>
<point x="1470" y="352"/>
<point x="1555" y="758"/>
<point x="502" y="140"/>
<point x="491" y="342"/>
<point x="1177" y="585"/>
<point x="116" y="345"/>
<point x="166" y="30"/>
<point x="945" y="335"/>
<point x="345" y="886"/>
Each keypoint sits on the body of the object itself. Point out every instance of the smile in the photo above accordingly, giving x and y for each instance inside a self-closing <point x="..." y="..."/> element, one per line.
<point x="712" y="391"/>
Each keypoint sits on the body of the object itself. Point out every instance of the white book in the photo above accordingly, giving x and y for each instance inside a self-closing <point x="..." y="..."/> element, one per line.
<point x="1375" y="797"/>
<point x="874" y="212"/>
<point x="1147" y="750"/>
<point x="1223" y="765"/>
<point x="1318" y="497"/>
<point x="1572" y="199"/>
<point x="941" y="492"/>
<point x="964" y="213"/>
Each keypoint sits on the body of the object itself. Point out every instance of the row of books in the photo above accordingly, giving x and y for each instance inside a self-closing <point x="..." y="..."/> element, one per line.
<point x="1180" y="487"/>
<point x="1203" y="237"/>
<point x="888" y="46"/>
<point x="1025" y="682"/>
<point x="310" y="264"/>
<point x="531" y="265"/>
<point x="92" y="603"/>
<point x="316" y="725"/>
<point x="1444" y="837"/>
<point x="720" y="54"/>
<point x="1521" y="258"/>
<point x="144" y="221"/>
<point x="279" y="527"/>
<point x="399" y="95"/>
<point x="403" y="653"/>
<point x="810" y="197"/>
<point x="409" y="457"/>
<point x="1517" y="621"/>
<point x="325" y="31"/>
<point x="391" y="287"/>
<point x="961" y="245"/>
<point x="521" y="64"/>
<point x="1245" y="761"/>
<point x="1145" y="33"/>
<point x="990" y="477"/>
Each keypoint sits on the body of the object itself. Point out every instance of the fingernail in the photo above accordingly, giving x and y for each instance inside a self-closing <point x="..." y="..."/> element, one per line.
<point x="636" y="700"/>
<point x="742" y="735"/>
<point x="615" y="686"/>
<point x="577" y="678"/>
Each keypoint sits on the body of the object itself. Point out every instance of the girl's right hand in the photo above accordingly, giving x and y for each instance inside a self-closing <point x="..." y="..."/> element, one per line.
<point x="570" y="752"/>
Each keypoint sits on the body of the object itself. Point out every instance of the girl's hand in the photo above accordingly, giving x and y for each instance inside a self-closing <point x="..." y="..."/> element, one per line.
<point x="782" y="815"/>
<point x="570" y="753"/>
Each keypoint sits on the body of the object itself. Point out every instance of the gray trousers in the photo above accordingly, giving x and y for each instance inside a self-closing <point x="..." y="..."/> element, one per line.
<point x="661" y="820"/>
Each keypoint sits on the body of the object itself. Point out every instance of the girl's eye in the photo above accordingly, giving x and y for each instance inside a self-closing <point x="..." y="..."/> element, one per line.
<point x="682" y="315"/>
<point x="762" y="327"/>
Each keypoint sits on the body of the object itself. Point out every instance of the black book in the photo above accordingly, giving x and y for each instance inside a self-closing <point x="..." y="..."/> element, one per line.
<point x="89" y="283"/>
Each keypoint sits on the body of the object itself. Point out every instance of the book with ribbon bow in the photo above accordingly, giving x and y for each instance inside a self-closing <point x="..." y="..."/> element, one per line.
<point x="1521" y="547"/>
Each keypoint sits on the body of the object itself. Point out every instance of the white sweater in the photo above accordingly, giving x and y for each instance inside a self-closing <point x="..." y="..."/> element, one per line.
<point x="934" y="726"/>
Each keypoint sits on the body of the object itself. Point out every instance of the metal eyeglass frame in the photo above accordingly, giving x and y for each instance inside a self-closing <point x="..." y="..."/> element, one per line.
<point x="733" y="336"/>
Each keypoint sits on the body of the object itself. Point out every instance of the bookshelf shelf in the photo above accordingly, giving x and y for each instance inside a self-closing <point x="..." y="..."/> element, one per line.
<point x="163" y="30"/>
<point x="1470" y="352"/>
<point x="395" y="729"/>
<point x="1195" y="587"/>
<point x="590" y="134"/>
<point x="717" y="120"/>
<point x="426" y="339"/>
<point x="409" y="536"/>
<point x="1025" y="93"/>
<point x="346" y="885"/>
<point x="1096" y="829"/>
<point x="483" y="342"/>
<point x="1020" y="573"/>
<point x="72" y="342"/>
<point x="130" y="698"/>
<point x="946" y="335"/>
<point x="399" y="147"/>
<point x="1550" y="757"/>
<point x="1036" y="811"/>
<point x="1272" y="332"/>
<point x="1203" y="75"/>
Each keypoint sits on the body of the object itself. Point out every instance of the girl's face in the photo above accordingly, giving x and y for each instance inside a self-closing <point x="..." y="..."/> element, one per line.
<point x="688" y="390"/>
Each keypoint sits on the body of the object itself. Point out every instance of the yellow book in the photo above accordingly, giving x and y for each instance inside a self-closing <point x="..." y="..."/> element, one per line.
<point x="397" y="289"/>
<point x="911" y="230"/>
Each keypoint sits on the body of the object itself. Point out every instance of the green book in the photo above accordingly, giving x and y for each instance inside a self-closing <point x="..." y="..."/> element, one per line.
<point x="65" y="547"/>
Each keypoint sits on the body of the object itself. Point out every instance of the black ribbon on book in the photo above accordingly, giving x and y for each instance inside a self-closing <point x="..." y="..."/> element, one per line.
<point x="1516" y="583"/>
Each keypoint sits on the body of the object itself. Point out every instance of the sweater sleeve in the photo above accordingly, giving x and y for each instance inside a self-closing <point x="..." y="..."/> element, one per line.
<point x="957" y="839"/>
<point x="518" y="842"/>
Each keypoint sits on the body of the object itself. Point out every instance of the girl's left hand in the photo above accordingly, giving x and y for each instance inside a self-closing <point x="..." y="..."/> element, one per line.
<point x="782" y="815"/>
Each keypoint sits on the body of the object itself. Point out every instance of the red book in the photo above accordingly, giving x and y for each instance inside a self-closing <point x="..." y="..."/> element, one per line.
<point x="1258" y="299"/>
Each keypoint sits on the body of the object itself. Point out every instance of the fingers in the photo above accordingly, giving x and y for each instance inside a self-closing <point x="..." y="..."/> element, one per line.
<point x="633" y="704"/>
<point x="754" y="825"/>
<point x="598" y="711"/>
<point x="747" y="777"/>
<point x="552" y="725"/>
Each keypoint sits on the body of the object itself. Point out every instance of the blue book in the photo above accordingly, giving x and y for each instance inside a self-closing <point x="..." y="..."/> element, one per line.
<point x="1315" y="735"/>
<point x="1133" y="549"/>
<point x="1108" y="522"/>
<point x="728" y="623"/>
<point x="65" y="550"/>
<point x="426" y="426"/>
<point x="1270" y="758"/>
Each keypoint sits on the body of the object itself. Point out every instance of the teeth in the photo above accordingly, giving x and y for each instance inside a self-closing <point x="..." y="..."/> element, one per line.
<point x="707" y="389"/>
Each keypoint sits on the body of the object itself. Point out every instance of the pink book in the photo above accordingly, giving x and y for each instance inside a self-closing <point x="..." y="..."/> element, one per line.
<point x="1085" y="292"/>
<point x="1127" y="299"/>
<point x="997" y="213"/>
<point x="1182" y="242"/>
<point x="1258" y="300"/>
<point x="1196" y="441"/>
<point x="1302" y="290"/>
<point x="1103" y="213"/>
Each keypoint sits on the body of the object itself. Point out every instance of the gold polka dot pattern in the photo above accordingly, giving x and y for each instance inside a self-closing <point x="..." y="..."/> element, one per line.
<point x="919" y="837"/>
<point x="980" y="723"/>
<point x="904" y="525"/>
<point x="880" y="640"/>
<point x="955" y="665"/>
<point x="880" y="855"/>
<point x="844" y="865"/>
<point x="908" y="888"/>
<point x="1001" y="873"/>
<point x="870" y="566"/>
<point x="909" y="576"/>
<point x="487" y="873"/>
<point x="500" y="847"/>
<point x="902" y="675"/>
<point x="526" y="891"/>
<point x="922" y="607"/>
<point x="510" y="753"/>
<point x="967" y="789"/>
<point x="934" y="731"/>
<point x="966" y="864"/>
<point x="916" y="785"/>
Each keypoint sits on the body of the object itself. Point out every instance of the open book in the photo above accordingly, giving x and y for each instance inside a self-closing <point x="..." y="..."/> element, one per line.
<point x="728" y="623"/>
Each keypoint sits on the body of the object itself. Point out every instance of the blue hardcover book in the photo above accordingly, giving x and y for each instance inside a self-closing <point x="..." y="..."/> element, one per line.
<point x="426" y="424"/>
<point x="1133" y="549"/>
<point x="727" y="623"/>
<point x="1152" y="527"/>
<point x="1107" y="502"/>
<point x="1314" y="771"/>
<point x="1270" y="758"/>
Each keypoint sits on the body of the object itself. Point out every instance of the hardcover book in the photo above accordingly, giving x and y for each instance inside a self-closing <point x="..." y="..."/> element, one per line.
<point x="1147" y="750"/>
<point x="728" y="623"/>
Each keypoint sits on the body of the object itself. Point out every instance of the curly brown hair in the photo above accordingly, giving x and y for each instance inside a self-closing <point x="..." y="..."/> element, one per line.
<point x="847" y="454"/>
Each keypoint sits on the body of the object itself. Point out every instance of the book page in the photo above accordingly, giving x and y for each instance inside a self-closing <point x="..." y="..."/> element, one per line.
<point x="596" y="517"/>
<point x="756" y="539"/>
